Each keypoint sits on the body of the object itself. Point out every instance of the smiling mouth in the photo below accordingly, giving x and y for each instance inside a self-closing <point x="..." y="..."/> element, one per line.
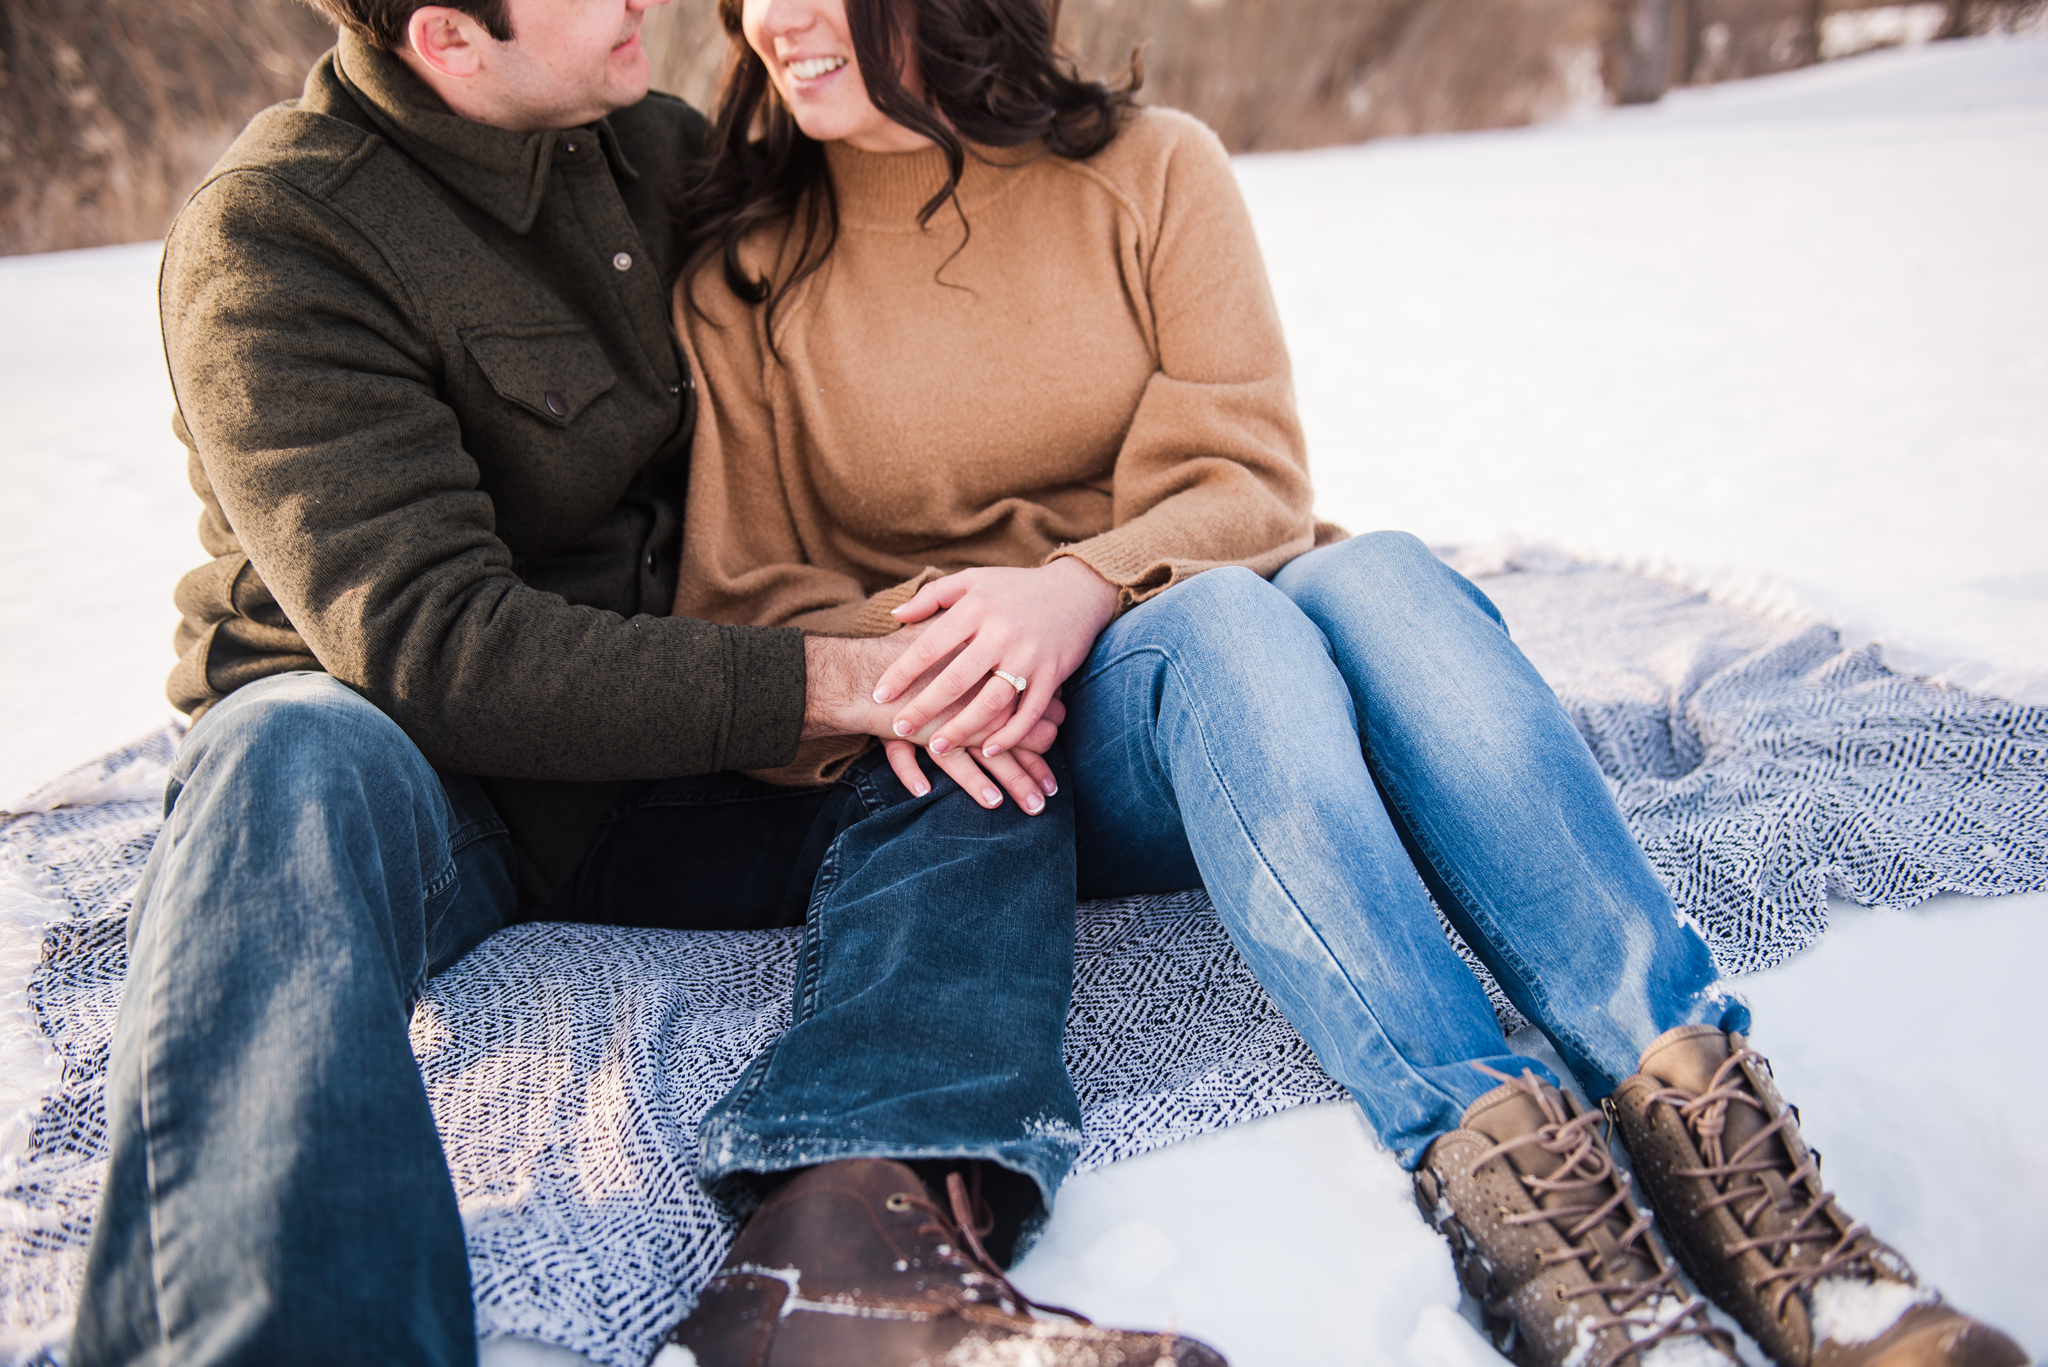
<point x="811" y="68"/>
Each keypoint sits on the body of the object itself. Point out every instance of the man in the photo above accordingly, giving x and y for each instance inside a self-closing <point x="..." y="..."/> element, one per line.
<point x="418" y="328"/>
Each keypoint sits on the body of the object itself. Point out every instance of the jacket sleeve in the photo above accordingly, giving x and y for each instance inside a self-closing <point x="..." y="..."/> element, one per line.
<point x="315" y="413"/>
<point x="1214" y="469"/>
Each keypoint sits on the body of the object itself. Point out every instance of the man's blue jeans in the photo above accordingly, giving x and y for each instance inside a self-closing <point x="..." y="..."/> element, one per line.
<point x="1327" y="751"/>
<point x="276" y="1190"/>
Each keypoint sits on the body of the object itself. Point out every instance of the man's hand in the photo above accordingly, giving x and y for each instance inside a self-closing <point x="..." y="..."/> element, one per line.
<point x="839" y="683"/>
<point x="839" y="702"/>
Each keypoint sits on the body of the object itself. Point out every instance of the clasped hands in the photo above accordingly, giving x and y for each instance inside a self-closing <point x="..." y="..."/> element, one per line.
<point x="942" y="672"/>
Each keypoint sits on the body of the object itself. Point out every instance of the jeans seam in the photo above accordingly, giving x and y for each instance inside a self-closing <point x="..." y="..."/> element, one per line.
<point x="1292" y="901"/>
<point x="812" y="958"/>
<point x="440" y="882"/>
<point x="751" y="1081"/>
<point x="872" y="800"/>
<point x="156" y="1280"/>
<point x="473" y="832"/>
<point x="811" y="953"/>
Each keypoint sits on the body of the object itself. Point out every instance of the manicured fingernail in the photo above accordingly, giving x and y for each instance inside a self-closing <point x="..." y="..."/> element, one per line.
<point x="1051" y="789"/>
<point x="1033" y="803"/>
<point x="991" y="796"/>
<point x="902" y="728"/>
<point x="884" y="693"/>
<point x="941" y="746"/>
<point x="991" y="749"/>
<point x="921" y="789"/>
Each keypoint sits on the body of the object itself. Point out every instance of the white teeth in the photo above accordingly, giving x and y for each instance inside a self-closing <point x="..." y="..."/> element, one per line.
<point x="811" y="68"/>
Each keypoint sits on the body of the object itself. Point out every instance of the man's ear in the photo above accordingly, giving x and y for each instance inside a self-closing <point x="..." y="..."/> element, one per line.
<point x="447" y="41"/>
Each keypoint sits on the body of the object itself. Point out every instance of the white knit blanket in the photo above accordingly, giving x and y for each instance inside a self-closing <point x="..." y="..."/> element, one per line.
<point x="1762" y="765"/>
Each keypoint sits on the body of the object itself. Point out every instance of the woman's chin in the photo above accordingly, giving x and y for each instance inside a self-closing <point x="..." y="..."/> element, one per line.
<point x="862" y="131"/>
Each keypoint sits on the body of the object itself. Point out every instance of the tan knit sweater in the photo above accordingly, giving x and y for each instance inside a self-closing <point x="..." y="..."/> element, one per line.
<point x="1093" y="367"/>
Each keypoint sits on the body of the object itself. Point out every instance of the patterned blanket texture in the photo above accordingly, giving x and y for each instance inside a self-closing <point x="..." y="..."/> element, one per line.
<point x="1763" y="765"/>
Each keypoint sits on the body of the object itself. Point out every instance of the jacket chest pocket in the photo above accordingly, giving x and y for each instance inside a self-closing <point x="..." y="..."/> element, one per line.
<point x="552" y="370"/>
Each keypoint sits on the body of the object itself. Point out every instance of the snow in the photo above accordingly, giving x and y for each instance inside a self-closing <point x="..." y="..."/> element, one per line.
<point x="1791" y="328"/>
<point x="1295" y="1239"/>
<point x="1786" y="337"/>
<point x="96" y="519"/>
<point x="1851" y="1311"/>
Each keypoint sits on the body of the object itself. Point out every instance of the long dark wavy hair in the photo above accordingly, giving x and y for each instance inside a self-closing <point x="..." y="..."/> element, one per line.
<point x="991" y="73"/>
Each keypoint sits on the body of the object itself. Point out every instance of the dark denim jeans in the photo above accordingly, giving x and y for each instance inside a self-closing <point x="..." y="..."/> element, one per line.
<point x="1326" y="752"/>
<point x="276" y="1190"/>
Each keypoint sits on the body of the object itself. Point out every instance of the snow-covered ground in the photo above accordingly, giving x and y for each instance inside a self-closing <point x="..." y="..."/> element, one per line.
<point x="1790" y="336"/>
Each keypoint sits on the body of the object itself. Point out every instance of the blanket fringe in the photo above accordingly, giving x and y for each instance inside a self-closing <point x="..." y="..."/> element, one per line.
<point x="1762" y="595"/>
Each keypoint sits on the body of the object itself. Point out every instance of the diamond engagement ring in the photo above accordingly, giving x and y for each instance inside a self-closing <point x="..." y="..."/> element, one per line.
<point x="1016" y="681"/>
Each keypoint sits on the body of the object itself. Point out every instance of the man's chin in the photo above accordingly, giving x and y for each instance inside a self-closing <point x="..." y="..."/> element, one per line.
<point x="620" y="90"/>
<point x="630" y="81"/>
<point x="634" y="93"/>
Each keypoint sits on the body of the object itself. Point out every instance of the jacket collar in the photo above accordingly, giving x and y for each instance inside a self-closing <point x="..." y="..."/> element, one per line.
<point x="501" y="172"/>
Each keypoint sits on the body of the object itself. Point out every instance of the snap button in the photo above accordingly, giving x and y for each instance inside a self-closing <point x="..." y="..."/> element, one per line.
<point x="570" y="145"/>
<point x="689" y="381"/>
<point x="675" y="389"/>
<point x="650" y="562"/>
<point x="557" y="405"/>
<point x="623" y="261"/>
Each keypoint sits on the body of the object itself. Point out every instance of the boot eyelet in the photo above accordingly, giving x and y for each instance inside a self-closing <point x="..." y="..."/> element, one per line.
<point x="897" y="1202"/>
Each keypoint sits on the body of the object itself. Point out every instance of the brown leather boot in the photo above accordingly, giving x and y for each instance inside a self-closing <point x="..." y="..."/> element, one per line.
<point x="1738" y="1194"/>
<point x="854" y="1263"/>
<point x="1546" y="1239"/>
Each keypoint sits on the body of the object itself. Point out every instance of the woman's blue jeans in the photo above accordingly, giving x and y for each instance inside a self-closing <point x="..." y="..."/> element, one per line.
<point x="276" y="1191"/>
<point x="1326" y="752"/>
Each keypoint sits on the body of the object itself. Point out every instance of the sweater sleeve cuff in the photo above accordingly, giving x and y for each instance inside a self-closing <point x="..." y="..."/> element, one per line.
<point x="768" y="690"/>
<point x="868" y="616"/>
<point x="1137" y="569"/>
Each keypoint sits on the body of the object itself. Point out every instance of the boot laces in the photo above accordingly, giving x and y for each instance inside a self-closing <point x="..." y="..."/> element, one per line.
<point x="1581" y="1141"/>
<point x="959" y="1231"/>
<point x="1771" y="1185"/>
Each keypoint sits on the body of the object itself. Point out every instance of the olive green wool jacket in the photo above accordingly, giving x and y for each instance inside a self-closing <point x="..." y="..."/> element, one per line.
<point x="439" y="424"/>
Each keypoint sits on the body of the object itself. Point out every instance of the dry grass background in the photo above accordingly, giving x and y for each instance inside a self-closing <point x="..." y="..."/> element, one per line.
<point x="1271" y="74"/>
<point x="111" y="110"/>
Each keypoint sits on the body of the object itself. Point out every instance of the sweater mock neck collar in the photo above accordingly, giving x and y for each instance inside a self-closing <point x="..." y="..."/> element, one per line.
<point x="888" y="189"/>
<point x="502" y="172"/>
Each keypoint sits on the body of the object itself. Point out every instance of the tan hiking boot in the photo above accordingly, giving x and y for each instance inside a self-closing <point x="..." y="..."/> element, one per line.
<point x="1546" y="1239"/>
<point x="1738" y="1195"/>
<point x="854" y="1263"/>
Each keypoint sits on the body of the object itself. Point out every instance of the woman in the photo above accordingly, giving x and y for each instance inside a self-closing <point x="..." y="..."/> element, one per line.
<point x="990" y="350"/>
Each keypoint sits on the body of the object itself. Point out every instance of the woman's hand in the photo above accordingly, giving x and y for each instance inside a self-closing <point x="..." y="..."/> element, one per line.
<point x="1037" y="624"/>
<point x="1021" y="769"/>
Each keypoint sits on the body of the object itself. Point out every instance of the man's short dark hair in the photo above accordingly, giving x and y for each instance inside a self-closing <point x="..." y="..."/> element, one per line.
<point x="383" y="21"/>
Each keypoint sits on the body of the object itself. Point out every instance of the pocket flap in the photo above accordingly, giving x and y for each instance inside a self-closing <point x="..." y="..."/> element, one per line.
<point x="552" y="370"/>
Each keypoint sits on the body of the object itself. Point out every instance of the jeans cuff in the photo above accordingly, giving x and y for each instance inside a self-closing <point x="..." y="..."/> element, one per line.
<point x="734" y="1158"/>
